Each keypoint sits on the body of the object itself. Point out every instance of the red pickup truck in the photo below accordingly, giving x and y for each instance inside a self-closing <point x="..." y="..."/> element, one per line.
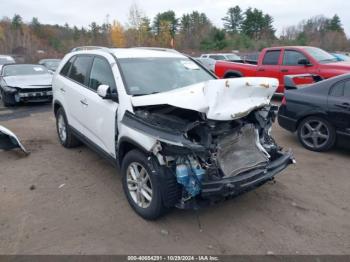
<point x="277" y="62"/>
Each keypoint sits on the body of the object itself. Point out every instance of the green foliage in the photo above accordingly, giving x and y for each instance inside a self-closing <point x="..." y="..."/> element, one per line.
<point x="215" y="41"/>
<point x="169" y="18"/>
<point x="233" y="19"/>
<point x="16" y="22"/>
<point x="334" y="24"/>
<point x="257" y="25"/>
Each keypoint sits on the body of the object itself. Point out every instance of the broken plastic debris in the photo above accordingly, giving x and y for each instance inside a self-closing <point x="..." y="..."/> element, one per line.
<point x="9" y="141"/>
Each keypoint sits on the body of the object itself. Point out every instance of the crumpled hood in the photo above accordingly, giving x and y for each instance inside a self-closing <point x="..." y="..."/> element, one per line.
<point x="224" y="99"/>
<point x="29" y="81"/>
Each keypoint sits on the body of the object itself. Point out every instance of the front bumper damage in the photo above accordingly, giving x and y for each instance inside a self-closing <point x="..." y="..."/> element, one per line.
<point x="230" y="158"/>
<point x="214" y="137"/>
<point x="39" y="94"/>
<point x="247" y="181"/>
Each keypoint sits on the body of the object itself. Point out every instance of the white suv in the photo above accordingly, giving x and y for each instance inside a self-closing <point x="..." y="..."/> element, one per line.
<point x="180" y="136"/>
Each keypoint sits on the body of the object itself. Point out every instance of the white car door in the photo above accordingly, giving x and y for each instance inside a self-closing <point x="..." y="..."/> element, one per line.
<point x="99" y="115"/>
<point x="73" y="87"/>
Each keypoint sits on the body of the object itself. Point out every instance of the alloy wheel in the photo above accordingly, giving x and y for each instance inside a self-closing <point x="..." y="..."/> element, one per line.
<point x="139" y="185"/>
<point x="315" y="133"/>
<point x="62" y="129"/>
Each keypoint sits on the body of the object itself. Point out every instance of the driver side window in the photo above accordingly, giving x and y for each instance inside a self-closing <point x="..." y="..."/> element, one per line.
<point x="101" y="74"/>
<point x="291" y="57"/>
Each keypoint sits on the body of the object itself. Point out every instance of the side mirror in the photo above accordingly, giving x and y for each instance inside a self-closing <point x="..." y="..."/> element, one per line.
<point x="103" y="91"/>
<point x="304" y="62"/>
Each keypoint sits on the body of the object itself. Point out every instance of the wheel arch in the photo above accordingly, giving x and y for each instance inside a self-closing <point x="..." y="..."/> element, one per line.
<point x="125" y="145"/>
<point x="316" y="113"/>
<point x="57" y="105"/>
<point x="233" y="73"/>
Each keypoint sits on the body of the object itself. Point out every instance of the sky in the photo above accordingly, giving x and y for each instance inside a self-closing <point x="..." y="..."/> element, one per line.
<point x="83" y="12"/>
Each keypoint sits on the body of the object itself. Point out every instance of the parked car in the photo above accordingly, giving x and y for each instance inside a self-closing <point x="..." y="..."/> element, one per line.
<point x="25" y="83"/>
<point x="181" y="136"/>
<point x="6" y="59"/>
<point x="50" y="64"/>
<point x="277" y="62"/>
<point x="341" y="57"/>
<point x="209" y="60"/>
<point x="319" y="113"/>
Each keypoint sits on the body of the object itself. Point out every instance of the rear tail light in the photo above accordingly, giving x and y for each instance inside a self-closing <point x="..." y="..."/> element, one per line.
<point x="284" y="101"/>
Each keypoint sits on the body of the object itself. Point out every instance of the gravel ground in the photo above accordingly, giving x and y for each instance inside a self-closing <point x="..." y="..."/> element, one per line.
<point x="59" y="201"/>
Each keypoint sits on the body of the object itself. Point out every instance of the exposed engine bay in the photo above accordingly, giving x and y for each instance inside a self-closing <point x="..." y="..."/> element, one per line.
<point x="199" y="150"/>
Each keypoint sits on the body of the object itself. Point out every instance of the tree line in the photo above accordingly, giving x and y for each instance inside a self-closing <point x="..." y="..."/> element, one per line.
<point x="243" y="30"/>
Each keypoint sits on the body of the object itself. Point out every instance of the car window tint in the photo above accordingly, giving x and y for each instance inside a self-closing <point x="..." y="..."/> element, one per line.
<point x="66" y="67"/>
<point x="271" y="57"/>
<point x="101" y="74"/>
<point x="292" y="57"/>
<point x="80" y="69"/>
<point x="217" y="57"/>
<point x="338" y="89"/>
<point x="347" y="89"/>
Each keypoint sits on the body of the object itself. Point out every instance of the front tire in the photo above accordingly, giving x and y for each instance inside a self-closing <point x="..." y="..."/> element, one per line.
<point x="65" y="134"/>
<point x="316" y="134"/>
<point x="7" y="99"/>
<point x="142" y="185"/>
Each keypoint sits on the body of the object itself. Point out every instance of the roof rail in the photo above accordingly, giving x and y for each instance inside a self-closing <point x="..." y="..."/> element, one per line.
<point x="84" y="48"/>
<point x="158" y="49"/>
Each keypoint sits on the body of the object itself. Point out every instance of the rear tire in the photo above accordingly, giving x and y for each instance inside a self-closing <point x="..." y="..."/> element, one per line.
<point x="142" y="185"/>
<point x="65" y="134"/>
<point x="316" y="134"/>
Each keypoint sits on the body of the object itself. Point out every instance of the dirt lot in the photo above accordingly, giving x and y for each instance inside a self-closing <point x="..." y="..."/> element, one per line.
<point x="59" y="201"/>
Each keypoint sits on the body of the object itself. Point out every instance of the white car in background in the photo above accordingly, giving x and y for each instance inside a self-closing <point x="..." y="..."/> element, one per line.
<point x="6" y="59"/>
<point x="209" y="60"/>
<point x="181" y="137"/>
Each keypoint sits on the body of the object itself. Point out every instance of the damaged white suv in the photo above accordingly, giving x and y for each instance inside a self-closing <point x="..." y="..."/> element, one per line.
<point x="180" y="136"/>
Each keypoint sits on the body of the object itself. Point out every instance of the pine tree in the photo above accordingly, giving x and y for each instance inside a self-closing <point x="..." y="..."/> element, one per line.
<point x="233" y="19"/>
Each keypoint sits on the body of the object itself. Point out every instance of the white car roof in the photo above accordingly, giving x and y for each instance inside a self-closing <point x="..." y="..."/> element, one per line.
<point x="133" y="52"/>
<point x="144" y="53"/>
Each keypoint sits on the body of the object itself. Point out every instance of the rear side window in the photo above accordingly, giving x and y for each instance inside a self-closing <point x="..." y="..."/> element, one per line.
<point x="67" y="66"/>
<point x="338" y="89"/>
<point x="80" y="69"/>
<point x="217" y="57"/>
<point x="271" y="57"/>
<point x="101" y="74"/>
<point x="291" y="58"/>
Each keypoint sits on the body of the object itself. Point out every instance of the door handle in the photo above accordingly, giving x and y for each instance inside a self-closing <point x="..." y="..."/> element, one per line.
<point x="261" y="69"/>
<point x="84" y="102"/>
<point x="343" y="105"/>
<point x="62" y="90"/>
<point x="284" y="70"/>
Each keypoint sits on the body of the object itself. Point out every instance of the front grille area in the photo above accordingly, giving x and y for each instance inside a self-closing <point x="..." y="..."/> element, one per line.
<point x="31" y="90"/>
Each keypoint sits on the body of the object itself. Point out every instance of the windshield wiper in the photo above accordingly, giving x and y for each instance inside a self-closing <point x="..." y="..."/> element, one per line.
<point x="156" y="92"/>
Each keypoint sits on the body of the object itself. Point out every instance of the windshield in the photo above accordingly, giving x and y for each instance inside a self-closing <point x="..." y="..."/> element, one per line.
<point x="6" y="60"/>
<point x="52" y="64"/>
<point x="233" y="57"/>
<point x="154" y="75"/>
<point x="16" y="70"/>
<point x="320" y="55"/>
